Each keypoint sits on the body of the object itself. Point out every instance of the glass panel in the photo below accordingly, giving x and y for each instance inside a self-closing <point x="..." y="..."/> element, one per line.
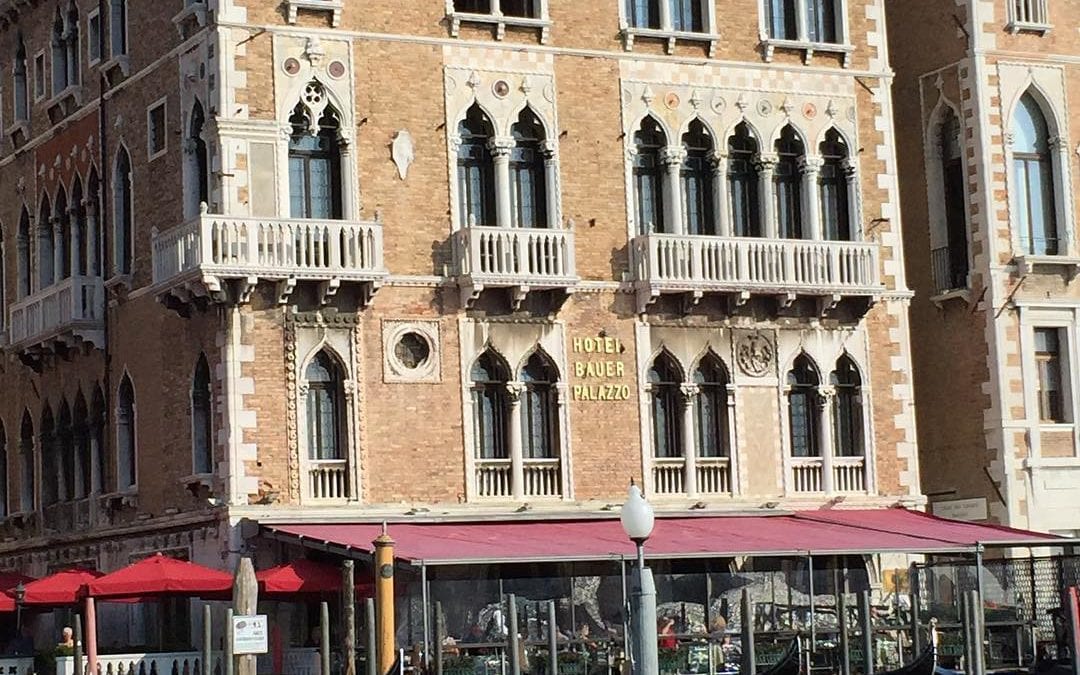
<point x="648" y="141"/>
<point x="644" y="13"/>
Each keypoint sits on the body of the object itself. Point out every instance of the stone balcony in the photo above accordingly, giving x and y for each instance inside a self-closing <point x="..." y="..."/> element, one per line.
<point x="198" y="258"/>
<point x="828" y="475"/>
<point x="674" y="476"/>
<point x="62" y="316"/>
<point x="743" y="266"/>
<point x="508" y="480"/>
<point x="519" y="259"/>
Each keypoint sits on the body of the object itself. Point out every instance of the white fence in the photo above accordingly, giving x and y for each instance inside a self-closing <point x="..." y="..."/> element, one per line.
<point x="517" y="255"/>
<point x="540" y="478"/>
<point x="75" y="301"/>
<point x="170" y="663"/>
<point x="17" y="665"/>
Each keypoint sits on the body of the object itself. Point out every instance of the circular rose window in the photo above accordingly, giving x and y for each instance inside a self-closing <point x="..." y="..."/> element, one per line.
<point x="412" y="350"/>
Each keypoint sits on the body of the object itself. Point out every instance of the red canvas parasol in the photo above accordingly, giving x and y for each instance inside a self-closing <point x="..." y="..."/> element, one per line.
<point x="60" y="589"/>
<point x="160" y="576"/>
<point x="305" y="577"/>
<point x="9" y="580"/>
<point x="7" y="603"/>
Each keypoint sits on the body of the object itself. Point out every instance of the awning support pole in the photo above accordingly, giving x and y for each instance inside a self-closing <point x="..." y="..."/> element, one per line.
<point x="978" y="660"/>
<point x="370" y="647"/>
<point x="207" y="641"/>
<point x="424" y="600"/>
<point x="230" y="665"/>
<point x="348" y="602"/>
<point x="749" y="663"/>
<point x="439" y="632"/>
<point x="813" y="630"/>
<point x="384" y="601"/>
<point x="913" y="594"/>
<point x="625" y="612"/>
<point x="845" y="648"/>
<point x="1072" y="596"/>
<point x="867" y="632"/>
<point x="91" y="637"/>
<point x="553" y="637"/>
<point x="512" y="638"/>
<point x="78" y="645"/>
<point x="324" y="638"/>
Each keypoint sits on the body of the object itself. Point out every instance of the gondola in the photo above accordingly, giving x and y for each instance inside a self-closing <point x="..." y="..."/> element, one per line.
<point x="790" y="662"/>
<point x="925" y="663"/>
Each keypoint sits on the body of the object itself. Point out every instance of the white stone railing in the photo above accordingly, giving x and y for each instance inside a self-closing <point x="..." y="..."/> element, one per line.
<point x="849" y="474"/>
<point x="540" y="478"/>
<point x="17" y="665"/>
<point x="669" y="475"/>
<point x="171" y="663"/>
<point x="714" y="475"/>
<point x="807" y="474"/>
<point x="685" y="262"/>
<point x="75" y="304"/>
<point x="242" y="246"/>
<point x="513" y="255"/>
<point x="328" y="479"/>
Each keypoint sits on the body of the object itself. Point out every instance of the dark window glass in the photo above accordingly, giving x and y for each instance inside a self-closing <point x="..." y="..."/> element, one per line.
<point x="833" y="183"/>
<point x="528" y="189"/>
<point x="82" y="443"/>
<point x="97" y="440"/>
<point x="476" y="170"/>
<point x="27" y="472"/>
<point x="122" y="215"/>
<point x="955" y="194"/>
<point x="314" y="166"/>
<point x="686" y="15"/>
<point x="3" y="473"/>
<point x="696" y="175"/>
<point x="23" y="243"/>
<point x="1048" y="364"/>
<point x="1034" y="174"/>
<point x="59" y="55"/>
<point x="539" y="409"/>
<point x="64" y="219"/>
<point x="199" y="154"/>
<point x="788" y="182"/>
<point x="118" y="26"/>
<point x="525" y="9"/>
<point x="65" y="459"/>
<point x="665" y="381"/>
<point x="711" y="408"/>
<point x="22" y="91"/>
<point x="50" y="459"/>
<point x="72" y="44"/>
<point x="202" y="422"/>
<point x="644" y="13"/>
<point x="125" y="435"/>
<point x="473" y="6"/>
<point x="649" y="140"/>
<point x="848" y="414"/>
<point x="45" y="259"/>
<point x="822" y="20"/>
<point x="803" y="402"/>
<point x="782" y="21"/>
<point x="743" y="181"/>
<point x="491" y="407"/>
<point x="325" y="406"/>
<point x="79" y="241"/>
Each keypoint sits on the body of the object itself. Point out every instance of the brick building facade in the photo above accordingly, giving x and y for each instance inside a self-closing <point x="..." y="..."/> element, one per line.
<point x="314" y="260"/>
<point x="989" y="198"/>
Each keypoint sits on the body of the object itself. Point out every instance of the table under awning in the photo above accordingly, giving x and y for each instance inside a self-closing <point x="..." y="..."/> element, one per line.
<point x="820" y="532"/>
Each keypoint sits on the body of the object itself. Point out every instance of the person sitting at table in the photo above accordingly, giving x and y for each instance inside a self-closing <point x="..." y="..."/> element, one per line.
<point x="67" y="638"/>
<point x="583" y="637"/>
<point x="666" y="630"/>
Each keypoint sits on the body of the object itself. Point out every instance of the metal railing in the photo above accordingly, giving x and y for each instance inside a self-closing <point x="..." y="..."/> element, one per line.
<point x="948" y="274"/>
<point x="1030" y="11"/>
<point x="75" y="301"/>
<point x="749" y="263"/>
<point x="270" y="247"/>
<point x="515" y="255"/>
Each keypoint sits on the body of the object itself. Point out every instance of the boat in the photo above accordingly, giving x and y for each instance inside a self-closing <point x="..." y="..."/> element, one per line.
<point x="790" y="662"/>
<point x="925" y="663"/>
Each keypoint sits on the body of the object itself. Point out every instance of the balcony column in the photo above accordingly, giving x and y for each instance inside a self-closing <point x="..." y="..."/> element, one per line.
<point x="672" y="157"/>
<point x="93" y="260"/>
<point x="732" y="441"/>
<point x="810" y="167"/>
<point x="500" y="153"/>
<point x="517" y="463"/>
<point x="766" y="167"/>
<point x="496" y="8"/>
<point x="851" y="176"/>
<point x="689" y="396"/>
<point x="551" y="185"/>
<point x="826" y="396"/>
<point x="720" y="193"/>
<point x="22" y="244"/>
<point x="348" y="166"/>
<point x="58" y="248"/>
<point x="1063" y="218"/>
<point x="75" y="254"/>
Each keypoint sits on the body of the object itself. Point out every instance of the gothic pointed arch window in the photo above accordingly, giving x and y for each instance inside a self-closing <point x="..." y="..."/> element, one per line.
<point x="649" y="142"/>
<point x="954" y="274"/>
<point x="202" y="427"/>
<point x="803" y="382"/>
<point x="79" y="234"/>
<point x="27" y="471"/>
<point x="123" y="226"/>
<point x="118" y="38"/>
<point x="539" y="408"/>
<point x="788" y="182"/>
<point x="63" y="242"/>
<point x="50" y="458"/>
<point x="491" y="406"/>
<point x="65" y="454"/>
<point x="21" y="89"/>
<point x="71" y="43"/>
<point x="81" y="431"/>
<point x="3" y="278"/>
<point x="325" y="403"/>
<point x="4" y="473"/>
<point x="711" y="408"/>
<point x="126" y="470"/>
<point x="197" y="161"/>
<point x="528" y="184"/>
<point x="45" y="256"/>
<point x="696" y="177"/>
<point x="94" y="234"/>
<point x="847" y="409"/>
<point x="476" y="169"/>
<point x="834" y="190"/>
<point x="665" y="396"/>
<point x="25" y="270"/>
<point x="98" y="423"/>
<point x="743" y="182"/>
<point x="59" y="55"/>
<point x="315" y="187"/>
<point x="1033" y="167"/>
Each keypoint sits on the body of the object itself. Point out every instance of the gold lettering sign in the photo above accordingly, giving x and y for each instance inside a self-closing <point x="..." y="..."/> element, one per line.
<point x="597" y="361"/>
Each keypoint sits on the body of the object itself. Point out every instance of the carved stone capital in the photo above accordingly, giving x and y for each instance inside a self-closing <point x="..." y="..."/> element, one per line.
<point x="766" y="162"/>
<point x="500" y="146"/>
<point x="688" y="391"/>
<point x="514" y="390"/>
<point x="811" y="165"/>
<point x="673" y="155"/>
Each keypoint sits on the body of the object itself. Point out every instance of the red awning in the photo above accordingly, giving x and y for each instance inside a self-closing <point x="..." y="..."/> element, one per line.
<point x="305" y="577"/>
<point x="60" y="589"/>
<point x="11" y="579"/>
<point x="797" y="533"/>
<point x="160" y="576"/>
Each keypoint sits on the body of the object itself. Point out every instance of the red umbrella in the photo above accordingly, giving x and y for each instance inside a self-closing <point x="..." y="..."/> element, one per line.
<point x="305" y="577"/>
<point x="161" y="576"/>
<point x="9" y="580"/>
<point x="7" y="603"/>
<point x="60" y="589"/>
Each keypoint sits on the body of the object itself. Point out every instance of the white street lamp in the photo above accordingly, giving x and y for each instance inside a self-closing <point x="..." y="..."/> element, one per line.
<point x="637" y="521"/>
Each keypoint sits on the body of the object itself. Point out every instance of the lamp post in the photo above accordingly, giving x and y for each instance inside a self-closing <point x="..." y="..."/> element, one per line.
<point x="637" y="521"/>
<point x="20" y="597"/>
